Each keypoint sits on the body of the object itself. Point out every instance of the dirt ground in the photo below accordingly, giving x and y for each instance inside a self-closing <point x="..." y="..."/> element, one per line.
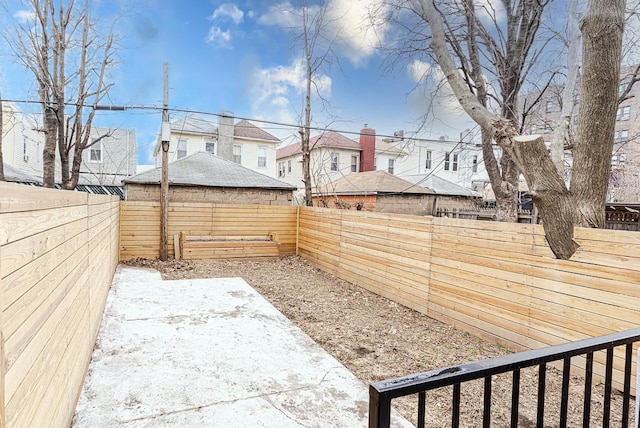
<point x="379" y="339"/>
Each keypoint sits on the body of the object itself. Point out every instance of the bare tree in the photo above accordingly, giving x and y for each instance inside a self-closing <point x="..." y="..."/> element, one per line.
<point x="561" y="130"/>
<point x="69" y="59"/>
<point x="496" y="49"/>
<point x="602" y="29"/>
<point x="317" y="44"/>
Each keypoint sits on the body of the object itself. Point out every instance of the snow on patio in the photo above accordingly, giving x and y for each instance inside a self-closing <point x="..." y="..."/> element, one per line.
<point x="210" y="352"/>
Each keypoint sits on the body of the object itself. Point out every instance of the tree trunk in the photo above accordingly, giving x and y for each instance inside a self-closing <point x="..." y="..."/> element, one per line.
<point x="561" y="132"/>
<point x="602" y="29"/>
<point x="306" y="150"/>
<point x="549" y="193"/>
<point x="49" y="151"/>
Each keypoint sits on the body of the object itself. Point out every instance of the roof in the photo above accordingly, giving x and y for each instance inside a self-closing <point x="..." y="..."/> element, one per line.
<point x="378" y="182"/>
<point x="206" y="169"/>
<point x="246" y="129"/>
<point x="441" y="186"/>
<point x="328" y="139"/>
<point x="194" y="124"/>
<point x="290" y="150"/>
<point x="383" y="146"/>
<point x="15" y="175"/>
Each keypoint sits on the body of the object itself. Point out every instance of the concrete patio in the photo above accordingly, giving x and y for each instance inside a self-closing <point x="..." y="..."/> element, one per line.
<point x="210" y="353"/>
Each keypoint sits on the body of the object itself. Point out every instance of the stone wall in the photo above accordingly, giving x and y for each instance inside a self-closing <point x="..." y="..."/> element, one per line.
<point x="226" y="195"/>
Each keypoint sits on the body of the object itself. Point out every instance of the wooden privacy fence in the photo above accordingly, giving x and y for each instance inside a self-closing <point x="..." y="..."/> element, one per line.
<point x="140" y="225"/>
<point x="497" y="280"/>
<point x="58" y="253"/>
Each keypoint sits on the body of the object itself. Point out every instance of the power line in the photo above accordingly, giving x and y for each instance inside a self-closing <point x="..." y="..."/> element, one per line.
<point x="203" y="112"/>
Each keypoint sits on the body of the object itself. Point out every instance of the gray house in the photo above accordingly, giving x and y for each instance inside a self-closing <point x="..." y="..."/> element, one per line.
<point x="205" y="177"/>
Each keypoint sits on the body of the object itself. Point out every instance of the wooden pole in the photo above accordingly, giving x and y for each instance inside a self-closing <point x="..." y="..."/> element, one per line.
<point x="164" y="183"/>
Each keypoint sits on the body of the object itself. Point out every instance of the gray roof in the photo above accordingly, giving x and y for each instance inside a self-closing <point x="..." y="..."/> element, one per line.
<point x="15" y="175"/>
<point x="206" y="169"/>
<point x="194" y="124"/>
<point x="246" y="129"/>
<point x="440" y="186"/>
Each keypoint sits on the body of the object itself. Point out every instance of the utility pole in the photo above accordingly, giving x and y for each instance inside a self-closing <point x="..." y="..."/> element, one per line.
<point x="165" y="135"/>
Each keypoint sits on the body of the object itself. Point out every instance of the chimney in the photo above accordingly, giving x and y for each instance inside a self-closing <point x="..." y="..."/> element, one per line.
<point x="368" y="146"/>
<point x="225" y="135"/>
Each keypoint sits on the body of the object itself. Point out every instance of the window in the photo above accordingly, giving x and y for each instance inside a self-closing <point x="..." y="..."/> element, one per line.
<point x="474" y="164"/>
<point x="262" y="157"/>
<point x="182" y="148"/>
<point x="623" y="113"/>
<point x="446" y="161"/>
<point x="334" y="161"/>
<point x="210" y="147"/>
<point x="618" y="159"/>
<point x="281" y="169"/>
<point x="427" y="163"/>
<point x="375" y="163"/>
<point x="455" y="162"/>
<point x="289" y="166"/>
<point x="391" y="165"/>
<point x="549" y="107"/>
<point x="622" y="88"/>
<point x="576" y="98"/>
<point x="575" y="119"/>
<point x="354" y="163"/>
<point x="621" y="136"/>
<point x="237" y="153"/>
<point x="547" y="126"/>
<point x="95" y="153"/>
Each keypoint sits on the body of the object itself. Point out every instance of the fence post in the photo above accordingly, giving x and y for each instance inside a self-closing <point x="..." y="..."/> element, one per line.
<point x="379" y="409"/>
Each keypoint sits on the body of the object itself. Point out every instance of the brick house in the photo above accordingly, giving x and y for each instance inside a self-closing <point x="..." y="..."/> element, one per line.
<point x="205" y="177"/>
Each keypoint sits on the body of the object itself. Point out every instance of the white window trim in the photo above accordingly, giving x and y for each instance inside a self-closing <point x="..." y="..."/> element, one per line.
<point x="93" y="146"/>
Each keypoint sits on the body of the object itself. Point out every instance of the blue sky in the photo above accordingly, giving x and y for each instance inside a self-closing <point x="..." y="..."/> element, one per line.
<point x="241" y="56"/>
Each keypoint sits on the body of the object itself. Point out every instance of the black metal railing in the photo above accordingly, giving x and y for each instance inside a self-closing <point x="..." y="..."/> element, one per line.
<point x="381" y="393"/>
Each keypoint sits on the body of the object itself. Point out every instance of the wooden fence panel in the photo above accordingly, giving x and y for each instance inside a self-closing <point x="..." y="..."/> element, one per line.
<point x="140" y="224"/>
<point x="499" y="281"/>
<point x="58" y="253"/>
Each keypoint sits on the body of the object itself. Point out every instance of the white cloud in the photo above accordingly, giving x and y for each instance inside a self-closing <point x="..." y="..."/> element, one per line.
<point x="224" y="12"/>
<point x="25" y="16"/>
<point x="279" y="90"/>
<point x="359" y="25"/>
<point x="228" y="10"/>
<point x="358" y="28"/>
<point x="418" y="70"/>
<point x="284" y="15"/>
<point x="219" y="38"/>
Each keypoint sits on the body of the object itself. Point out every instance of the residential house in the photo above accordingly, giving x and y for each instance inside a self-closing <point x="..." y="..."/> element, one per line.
<point x="243" y="142"/>
<point x="376" y="191"/>
<point x="105" y="163"/>
<point x="625" y="159"/>
<point x="334" y="156"/>
<point x="205" y="177"/>
<point x="449" y="196"/>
